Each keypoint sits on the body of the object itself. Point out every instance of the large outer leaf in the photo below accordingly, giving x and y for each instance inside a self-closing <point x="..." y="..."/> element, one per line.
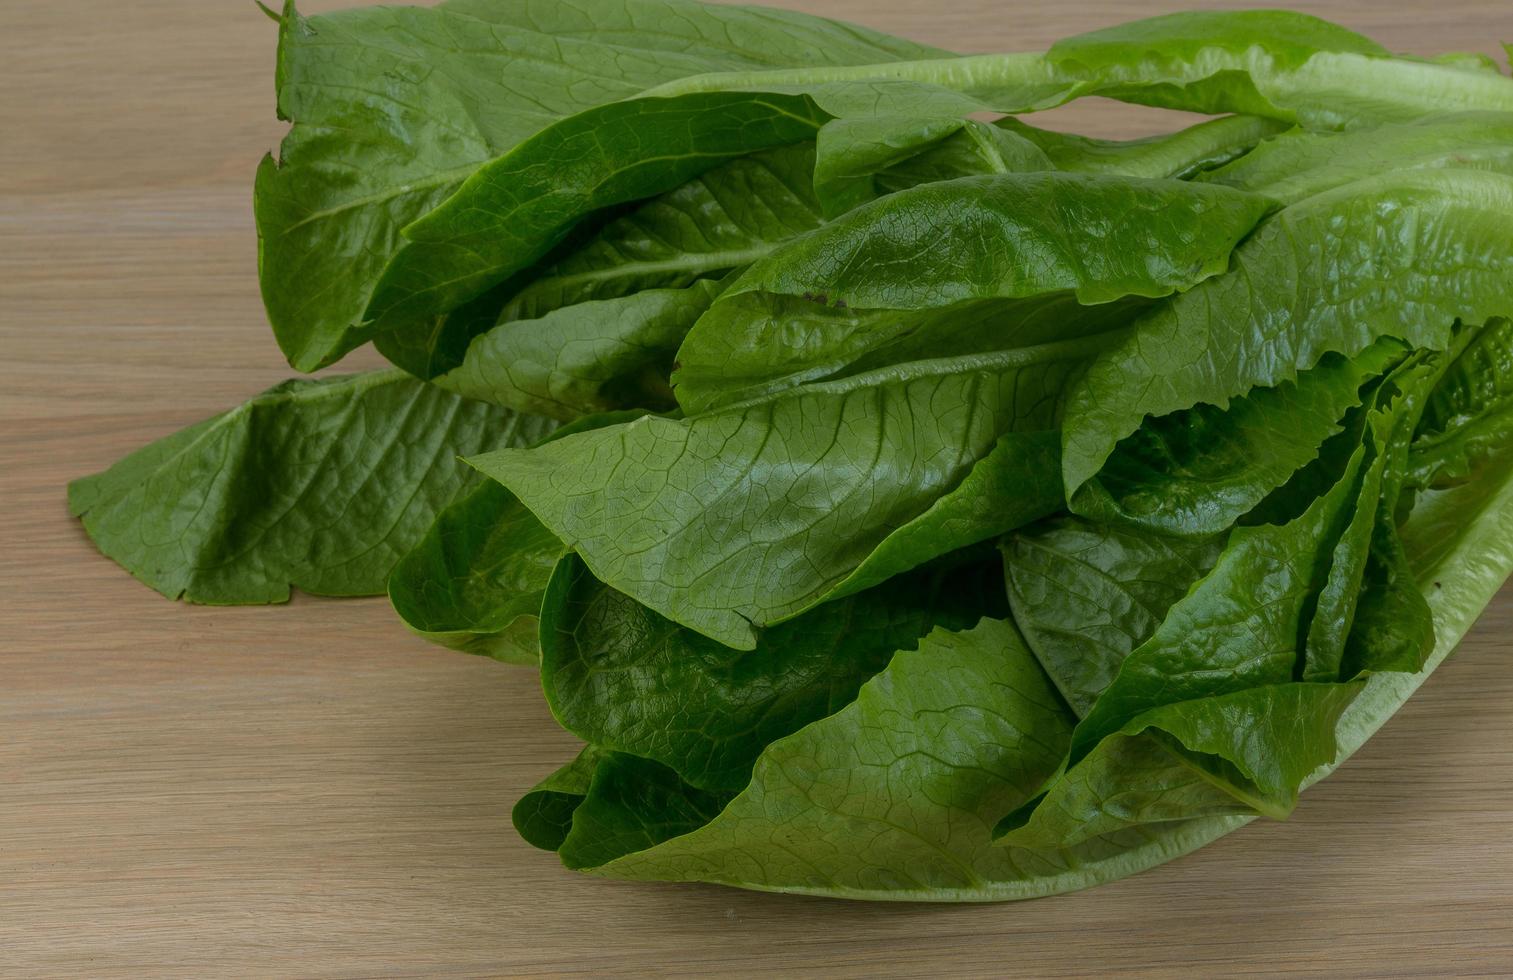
<point x="860" y="283"/>
<point x="318" y="484"/>
<point x="1402" y="255"/>
<point x="736" y="519"/>
<point x="394" y="107"/>
<point x="1273" y="63"/>
<point x="624" y="678"/>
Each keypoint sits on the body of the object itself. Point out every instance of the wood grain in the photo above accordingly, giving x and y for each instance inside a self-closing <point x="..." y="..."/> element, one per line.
<point x="308" y="790"/>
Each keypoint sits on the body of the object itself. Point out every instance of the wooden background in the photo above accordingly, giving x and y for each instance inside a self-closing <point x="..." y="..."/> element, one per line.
<point x="308" y="790"/>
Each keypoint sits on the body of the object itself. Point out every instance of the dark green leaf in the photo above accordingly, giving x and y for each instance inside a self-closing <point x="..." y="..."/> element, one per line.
<point x="896" y="794"/>
<point x="623" y="677"/>
<point x="394" y="107"/>
<point x="1468" y="420"/>
<point x="474" y="582"/>
<point x="862" y="157"/>
<point x="545" y="814"/>
<point x="633" y="804"/>
<point x="1085" y="595"/>
<point x="512" y="211"/>
<point x="594" y="356"/>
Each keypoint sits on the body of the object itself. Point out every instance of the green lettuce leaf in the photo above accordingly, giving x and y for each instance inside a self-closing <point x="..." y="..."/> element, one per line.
<point x="1184" y="154"/>
<point x="545" y="815"/>
<point x="510" y="213"/>
<point x="475" y="581"/>
<point x="597" y="329"/>
<point x="1241" y="626"/>
<point x="595" y="356"/>
<point x="395" y="107"/>
<point x="962" y="250"/>
<point x="719" y="221"/>
<point x="1299" y="164"/>
<point x="863" y="157"/>
<point x="817" y="820"/>
<point x="1244" y="752"/>
<point x="1402" y="255"/>
<point x="1199" y="470"/>
<point x="1086" y="594"/>
<point x="1468" y="420"/>
<point x="733" y="520"/>
<point x="316" y="484"/>
<point x="624" y="678"/>
<point x="894" y="795"/>
<point x="1274" y="63"/>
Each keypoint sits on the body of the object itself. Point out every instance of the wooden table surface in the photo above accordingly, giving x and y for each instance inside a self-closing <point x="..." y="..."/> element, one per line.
<point x="309" y="790"/>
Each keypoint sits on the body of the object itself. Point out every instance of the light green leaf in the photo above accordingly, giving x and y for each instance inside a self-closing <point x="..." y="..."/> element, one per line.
<point x="1273" y="63"/>
<point x="1299" y="164"/>
<point x="317" y="484"/>
<point x="737" y="519"/>
<point x="1184" y="154"/>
